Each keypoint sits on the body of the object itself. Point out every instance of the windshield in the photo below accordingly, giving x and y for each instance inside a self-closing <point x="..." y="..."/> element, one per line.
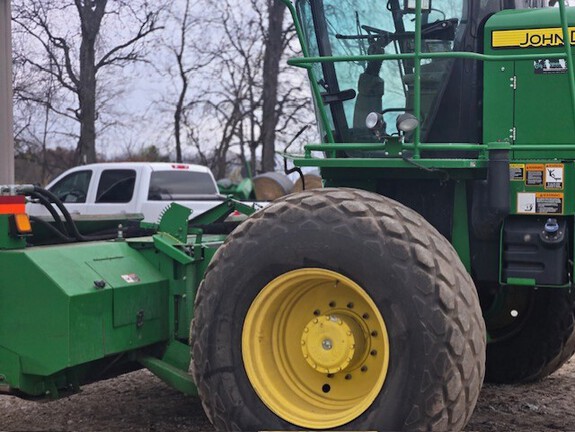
<point x="180" y="185"/>
<point x="351" y="90"/>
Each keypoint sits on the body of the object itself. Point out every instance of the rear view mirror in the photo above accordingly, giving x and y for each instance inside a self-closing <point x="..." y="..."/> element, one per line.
<point x="409" y="5"/>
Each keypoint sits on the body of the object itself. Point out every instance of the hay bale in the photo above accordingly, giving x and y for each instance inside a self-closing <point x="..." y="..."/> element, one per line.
<point x="271" y="185"/>
<point x="312" y="181"/>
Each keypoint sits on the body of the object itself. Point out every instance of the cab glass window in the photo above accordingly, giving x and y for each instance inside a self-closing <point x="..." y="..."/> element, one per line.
<point x="116" y="186"/>
<point x="73" y="188"/>
<point x="180" y="185"/>
<point x="353" y="89"/>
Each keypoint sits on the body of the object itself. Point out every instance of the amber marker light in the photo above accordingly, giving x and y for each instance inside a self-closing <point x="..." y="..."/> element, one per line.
<point x="22" y="223"/>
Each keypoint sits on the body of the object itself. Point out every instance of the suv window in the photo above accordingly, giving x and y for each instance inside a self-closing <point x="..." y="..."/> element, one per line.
<point x="180" y="185"/>
<point x="116" y="186"/>
<point x="73" y="188"/>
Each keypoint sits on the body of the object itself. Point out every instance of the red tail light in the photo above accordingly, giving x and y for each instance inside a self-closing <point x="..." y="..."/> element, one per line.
<point x="12" y="204"/>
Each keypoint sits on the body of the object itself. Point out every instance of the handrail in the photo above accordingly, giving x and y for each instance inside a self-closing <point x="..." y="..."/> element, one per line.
<point x="568" y="54"/>
<point x="307" y="62"/>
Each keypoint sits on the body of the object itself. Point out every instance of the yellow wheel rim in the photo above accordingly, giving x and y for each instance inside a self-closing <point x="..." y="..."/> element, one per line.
<point x="315" y="348"/>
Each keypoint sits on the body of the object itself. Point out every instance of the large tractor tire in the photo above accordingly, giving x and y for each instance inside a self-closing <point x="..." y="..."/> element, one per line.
<point x="532" y="333"/>
<point x="337" y="309"/>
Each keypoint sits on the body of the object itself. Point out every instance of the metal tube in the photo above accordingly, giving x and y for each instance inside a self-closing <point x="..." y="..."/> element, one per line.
<point x="570" y="63"/>
<point x="6" y="113"/>
<point x="417" y="83"/>
<point x="309" y="61"/>
<point x="440" y="147"/>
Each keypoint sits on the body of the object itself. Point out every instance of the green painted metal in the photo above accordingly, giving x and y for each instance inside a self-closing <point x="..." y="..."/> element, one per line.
<point x="521" y="282"/>
<point x="460" y="230"/>
<point x="174" y="221"/>
<point x="7" y="240"/>
<point x="172" y="368"/>
<point x="569" y="57"/>
<point x="417" y="73"/>
<point x="75" y="313"/>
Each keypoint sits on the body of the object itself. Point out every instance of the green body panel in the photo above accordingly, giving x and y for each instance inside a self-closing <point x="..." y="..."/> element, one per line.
<point x="540" y="107"/>
<point x="65" y="320"/>
<point x="543" y="112"/>
<point x="74" y="313"/>
<point x="498" y="118"/>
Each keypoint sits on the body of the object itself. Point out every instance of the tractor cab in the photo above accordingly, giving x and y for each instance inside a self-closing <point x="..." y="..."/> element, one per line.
<point x="363" y="100"/>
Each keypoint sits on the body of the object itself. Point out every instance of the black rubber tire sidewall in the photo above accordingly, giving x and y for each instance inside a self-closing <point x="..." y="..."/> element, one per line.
<point x="413" y="275"/>
<point x="544" y="342"/>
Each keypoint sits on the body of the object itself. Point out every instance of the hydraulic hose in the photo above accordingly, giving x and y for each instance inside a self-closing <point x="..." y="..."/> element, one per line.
<point x="48" y="205"/>
<point x="71" y="224"/>
<point x="52" y="229"/>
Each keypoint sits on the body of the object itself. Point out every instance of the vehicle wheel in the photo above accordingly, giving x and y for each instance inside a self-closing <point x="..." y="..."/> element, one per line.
<point x="531" y="331"/>
<point x="337" y="308"/>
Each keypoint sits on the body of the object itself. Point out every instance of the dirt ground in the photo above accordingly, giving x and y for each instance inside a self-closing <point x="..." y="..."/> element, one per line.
<point x="141" y="402"/>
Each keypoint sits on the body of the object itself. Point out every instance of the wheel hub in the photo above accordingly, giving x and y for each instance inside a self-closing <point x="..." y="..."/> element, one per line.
<point x="315" y="348"/>
<point x="331" y="343"/>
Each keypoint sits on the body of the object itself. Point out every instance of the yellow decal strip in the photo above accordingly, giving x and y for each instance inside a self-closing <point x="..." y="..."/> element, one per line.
<point x="530" y="38"/>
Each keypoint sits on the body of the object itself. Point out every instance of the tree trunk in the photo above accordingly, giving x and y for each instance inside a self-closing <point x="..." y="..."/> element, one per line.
<point x="178" y="112"/>
<point x="91" y="13"/>
<point x="272" y="57"/>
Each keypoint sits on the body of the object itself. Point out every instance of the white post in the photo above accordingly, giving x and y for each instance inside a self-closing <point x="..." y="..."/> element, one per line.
<point x="6" y="113"/>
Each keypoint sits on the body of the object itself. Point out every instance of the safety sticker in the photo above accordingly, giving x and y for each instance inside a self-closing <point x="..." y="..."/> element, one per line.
<point x="535" y="173"/>
<point x="540" y="203"/>
<point x="550" y="66"/>
<point x="517" y="172"/>
<point x="549" y="203"/>
<point x="131" y="278"/>
<point x="526" y="202"/>
<point x="554" y="176"/>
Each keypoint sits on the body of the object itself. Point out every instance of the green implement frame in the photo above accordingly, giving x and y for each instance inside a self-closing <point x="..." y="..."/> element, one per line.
<point x="76" y="313"/>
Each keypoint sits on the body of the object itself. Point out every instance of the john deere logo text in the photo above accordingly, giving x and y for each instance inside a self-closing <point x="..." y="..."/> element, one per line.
<point x="530" y="38"/>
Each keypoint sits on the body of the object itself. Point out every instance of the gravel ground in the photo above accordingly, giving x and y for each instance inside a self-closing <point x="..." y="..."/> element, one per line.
<point x="141" y="402"/>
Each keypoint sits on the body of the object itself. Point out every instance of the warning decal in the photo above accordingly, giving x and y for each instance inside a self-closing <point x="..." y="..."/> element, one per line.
<point x="554" y="176"/>
<point x="131" y="278"/>
<point x="517" y="172"/>
<point x="549" y="203"/>
<point x="540" y="203"/>
<point x="526" y="202"/>
<point x="535" y="173"/>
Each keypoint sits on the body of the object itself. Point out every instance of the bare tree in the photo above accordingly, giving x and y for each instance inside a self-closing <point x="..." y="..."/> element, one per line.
<point x="180" y="44"/>
<point x="235" y="105"/>
<point x="76" y="49"/>
<point x="274" y="42"/>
